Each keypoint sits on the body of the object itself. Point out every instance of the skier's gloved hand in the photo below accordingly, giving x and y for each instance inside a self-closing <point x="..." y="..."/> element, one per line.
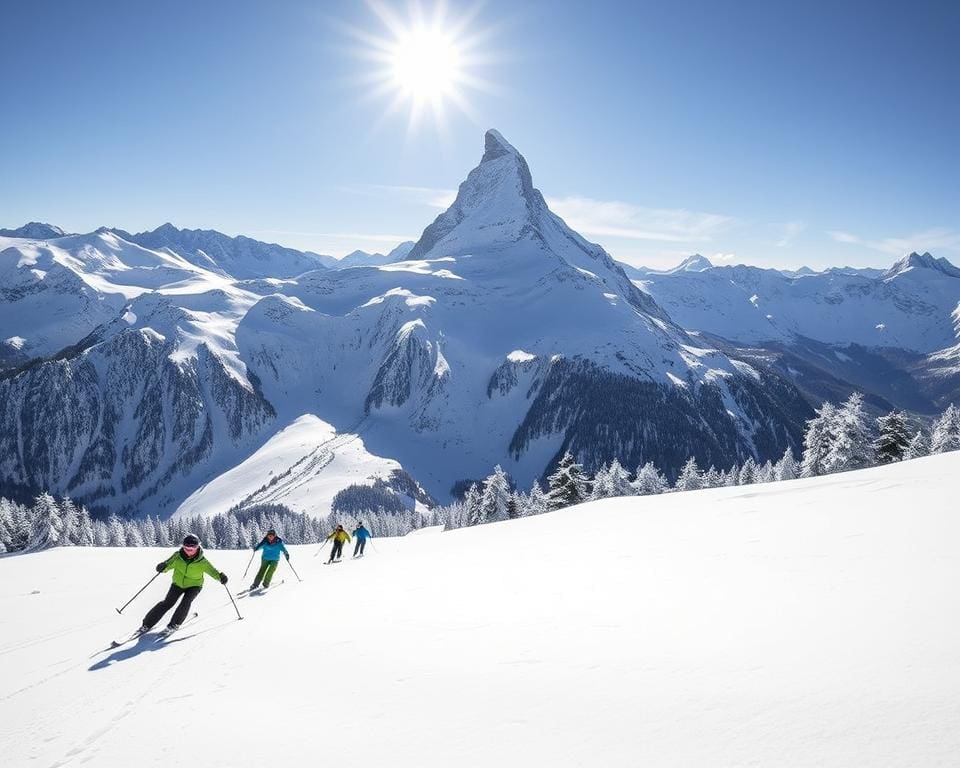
<point x="223" y="578"/>
<point x="161" y="566"/>
<point x="287" y="555"/>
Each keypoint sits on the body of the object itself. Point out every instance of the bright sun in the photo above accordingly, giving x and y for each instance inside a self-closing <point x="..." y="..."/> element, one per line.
<point x="425" y="63"/>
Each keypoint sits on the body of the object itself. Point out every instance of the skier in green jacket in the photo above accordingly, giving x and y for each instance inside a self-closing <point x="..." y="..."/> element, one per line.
<point x="188" y="565"/>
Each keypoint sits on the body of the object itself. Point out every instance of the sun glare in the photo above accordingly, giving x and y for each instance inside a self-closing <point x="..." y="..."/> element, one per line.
<point x="425" y="63"/>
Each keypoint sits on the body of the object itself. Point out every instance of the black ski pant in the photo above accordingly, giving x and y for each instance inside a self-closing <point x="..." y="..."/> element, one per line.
<point x="337" y="552"/>
<point x="173" y="594"/>
<point x="358" y="547"/>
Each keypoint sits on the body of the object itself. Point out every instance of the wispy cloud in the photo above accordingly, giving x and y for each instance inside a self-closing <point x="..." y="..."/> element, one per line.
<point x="937" y="238"/>
<point x="612" y="218"/>
<point x="788" y="233"/>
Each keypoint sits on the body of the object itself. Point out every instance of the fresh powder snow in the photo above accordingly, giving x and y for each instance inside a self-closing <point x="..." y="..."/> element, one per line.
<point x="808" y="622"/>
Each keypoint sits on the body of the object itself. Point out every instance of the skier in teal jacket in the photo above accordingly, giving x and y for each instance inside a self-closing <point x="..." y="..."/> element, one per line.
<point x="361" y="534"/>
<point x="272" y="546"/>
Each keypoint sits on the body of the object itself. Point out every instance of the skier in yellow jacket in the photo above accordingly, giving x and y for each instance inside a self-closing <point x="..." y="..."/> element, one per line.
<point x="340" y="537"/>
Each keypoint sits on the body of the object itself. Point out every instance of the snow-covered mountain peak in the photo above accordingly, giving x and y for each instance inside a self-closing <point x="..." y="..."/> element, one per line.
<point x="496" y="205"/>
<point x="924" y="260"/>
<point x="695" y="263"/>
<point x="494" y="146"/>
<point x="34" y="230"/>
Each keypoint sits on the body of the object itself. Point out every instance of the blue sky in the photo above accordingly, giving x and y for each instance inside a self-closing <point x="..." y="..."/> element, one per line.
<point x="772" y="133"/>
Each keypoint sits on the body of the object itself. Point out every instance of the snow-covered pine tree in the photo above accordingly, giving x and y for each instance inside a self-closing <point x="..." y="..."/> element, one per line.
<point x="786" y="468"/>
<point x="70" y="519"/>
<point x="537" y="502"/>
<point x="893" y="440"/>
<point x="852" y="443"/>
<point x="690" y="478"/>
<point x="495" y="500"/>
<point x="601" y="484"/>
<point x="84" y="536"/>
<point x="472" y="501"/>
<point x="712" y="478"/>
<point x="147" y="532"/>
<point x="618" y="480"/>
<point x="817" y="441"/>
<point x="765" y="472"/>
<point x="133" y="536"/>
<point x="946" y="431"/>
<point x="748" y="472"/>
<point x="567" y="485"/>
<point x="101" y="534"/>
<point x="46" y="525"/>
<point x="918" y="447"/>
<point x="116" y="535"/>
<point x="649" y="480"/>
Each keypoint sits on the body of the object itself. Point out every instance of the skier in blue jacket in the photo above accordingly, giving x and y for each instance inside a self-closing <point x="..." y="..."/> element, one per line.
<point x="361" y="534"/>
<point x="272" y="546"/>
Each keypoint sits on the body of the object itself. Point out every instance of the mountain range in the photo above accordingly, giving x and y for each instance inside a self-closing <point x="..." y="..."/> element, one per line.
<point x="185" y="371"/>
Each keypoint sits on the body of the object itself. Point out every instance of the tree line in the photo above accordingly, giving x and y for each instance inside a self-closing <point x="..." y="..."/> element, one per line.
<point x="839" y="438"/>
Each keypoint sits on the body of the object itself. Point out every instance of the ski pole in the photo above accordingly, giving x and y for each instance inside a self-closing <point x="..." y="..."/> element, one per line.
<point x="294" y="570"/>
<point x="248" y="563"/>
<point x="233" y="601"/>
<point x="321" y="548"/>
<point x="120" y="610"/>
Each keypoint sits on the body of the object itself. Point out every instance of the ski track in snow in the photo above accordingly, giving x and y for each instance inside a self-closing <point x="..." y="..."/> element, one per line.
<point x="790" y="624"/>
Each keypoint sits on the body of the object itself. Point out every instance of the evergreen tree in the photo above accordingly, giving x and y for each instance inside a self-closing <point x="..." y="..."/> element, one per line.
<point x="619" y="480"/>
<point x="602" y="488"/>
<point x="748" y="472"/>
<point x="101" y="534"/>
<point x="690" y="478"/>
<point x="70" y="520"/>
<point x="946" y="431"/>
<point x="116" y="535"/>
<point x="537" y="502"/>
<point x="474" y="507"/>
<point x="496" y="496"/>
<point x="712" y="478"/>
<point x="851" y="446"/>
<point x="84" y="531"/>
<point x="786" y="468"/>
<point x="133" y="536"/>
<point x="567" y="485"/>
<point x="649" y="481"/>
<point x="918" y="447"/>
<point x="893" y="440"/>
<point x="765" y="474"/>
<point x="817" y="441"/>
<point x="46" y="529"/>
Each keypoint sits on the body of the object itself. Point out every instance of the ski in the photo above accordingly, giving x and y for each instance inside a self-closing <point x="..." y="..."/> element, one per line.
<point x="136" y="634"/>
<point x="165" y="633"/>
<point x="333" y="562"/>
<point x="258" y="590"/>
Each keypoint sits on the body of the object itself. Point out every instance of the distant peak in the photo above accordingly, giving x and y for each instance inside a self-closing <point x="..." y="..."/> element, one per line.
<point x="923" y="260"/>
<point x="34" y="230"/>
<point x="494" y="146"/>
<point x="695" y="263"/>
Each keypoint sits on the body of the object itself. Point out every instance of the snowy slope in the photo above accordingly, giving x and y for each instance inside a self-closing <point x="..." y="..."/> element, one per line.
<point x="807" y="623"/>
<point x="303" y="466"/>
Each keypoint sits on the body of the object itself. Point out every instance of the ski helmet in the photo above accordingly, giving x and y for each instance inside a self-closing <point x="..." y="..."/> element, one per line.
<point x="271" y="532"/>
<point x="190" y="540"/>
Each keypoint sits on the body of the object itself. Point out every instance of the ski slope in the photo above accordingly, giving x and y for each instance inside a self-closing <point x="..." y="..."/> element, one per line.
<point x="809" y="623"/>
